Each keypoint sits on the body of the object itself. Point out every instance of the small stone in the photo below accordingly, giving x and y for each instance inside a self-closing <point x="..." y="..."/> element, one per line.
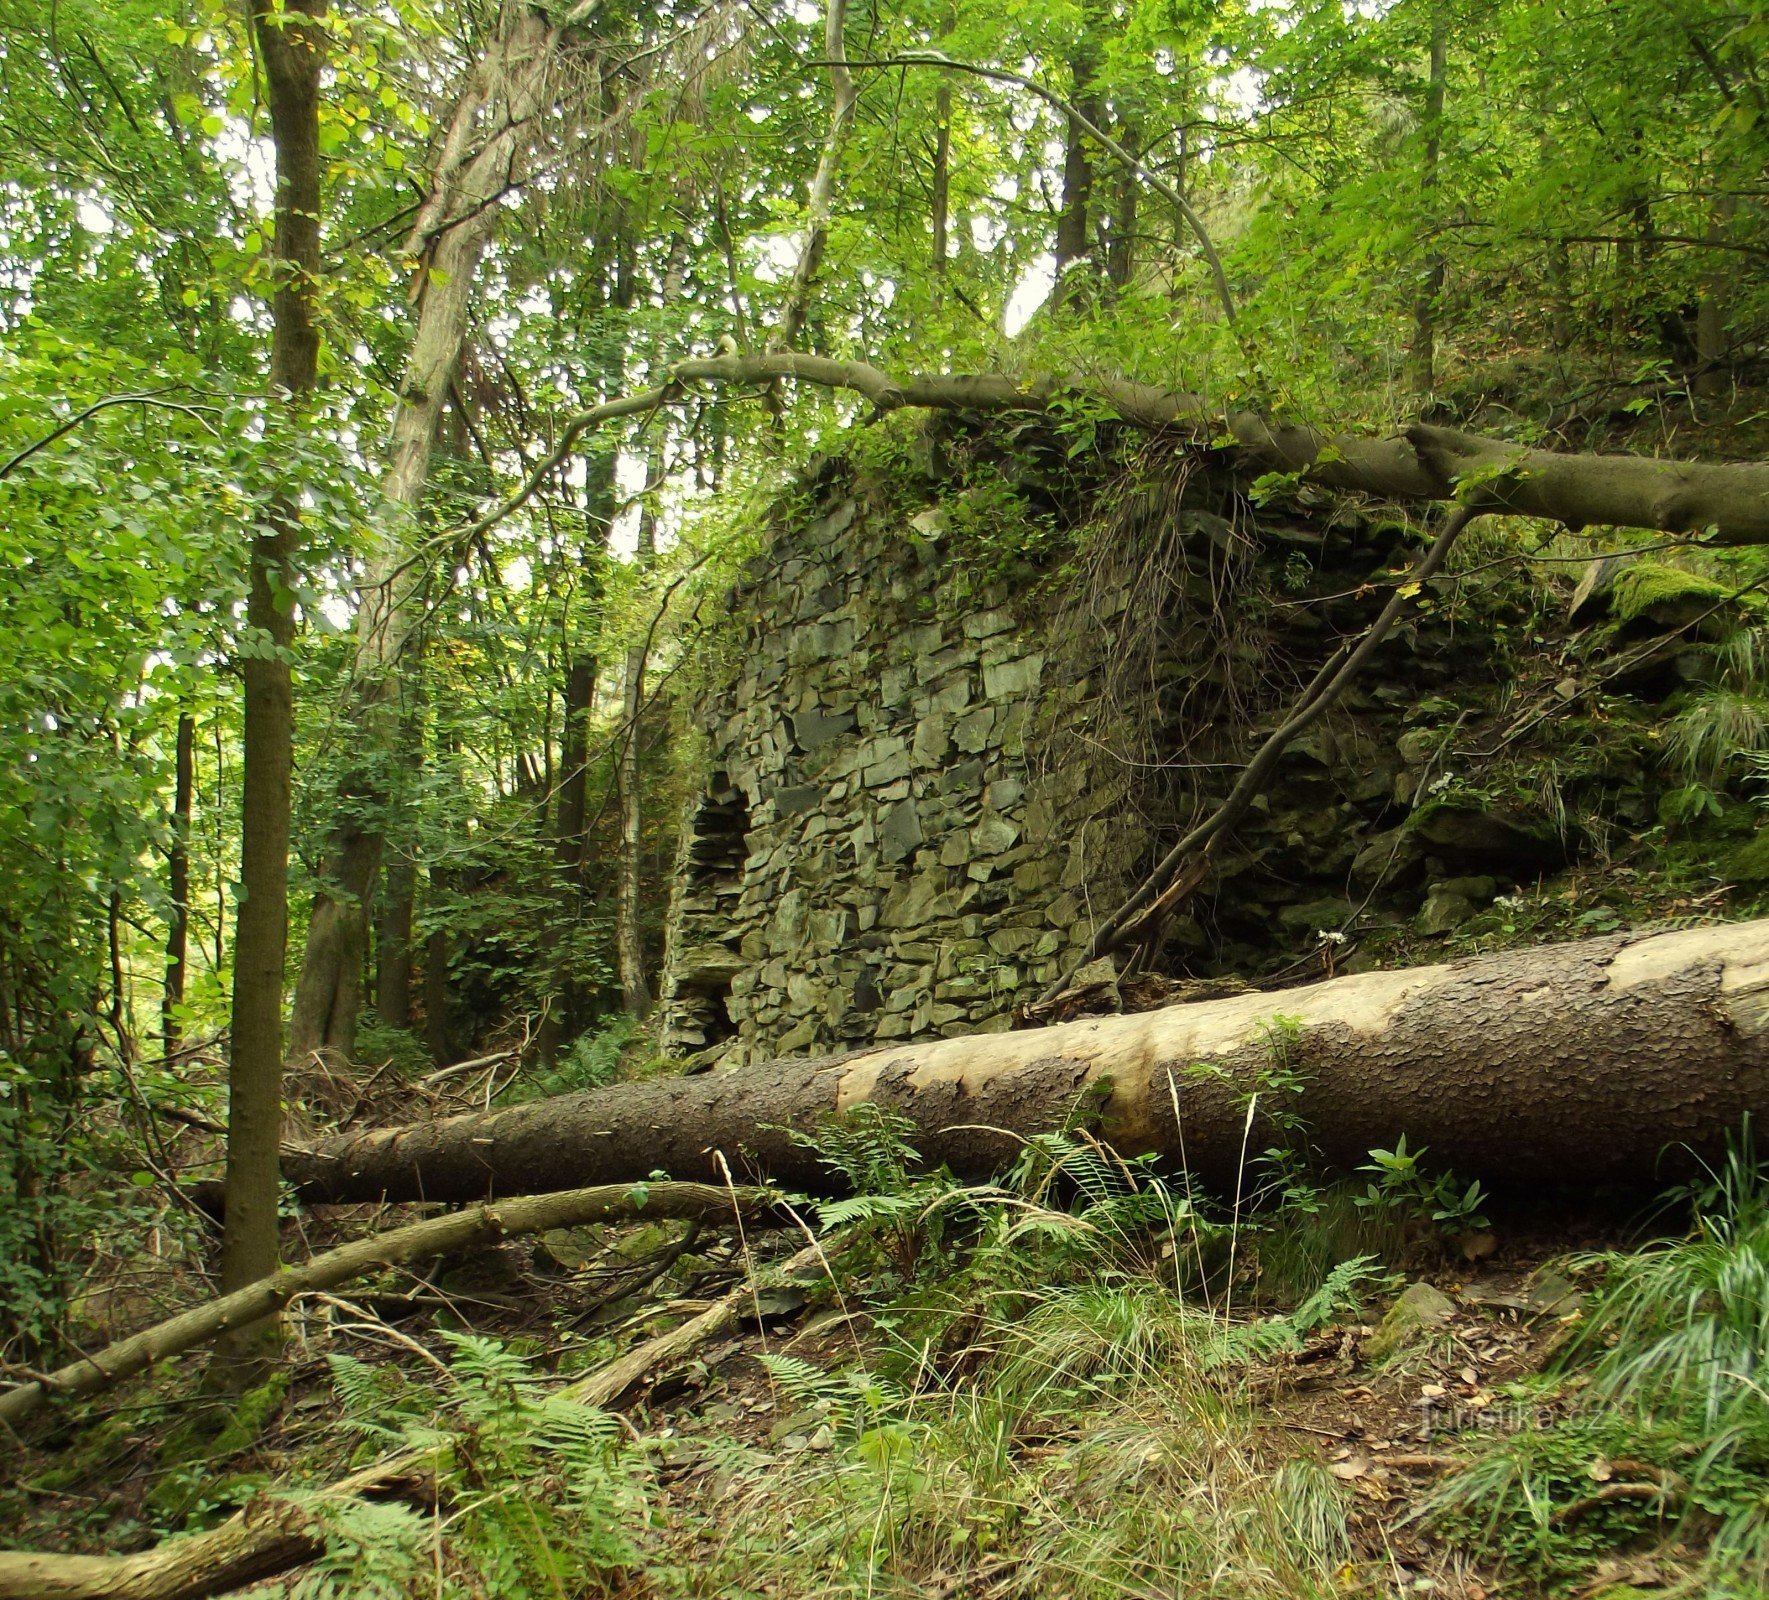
<point x="892" y="765"/>
<point x="973" y="732"/>
<point x="986" y="624"/>
<point x="811" y="730"/>
<point x="1444" y="913"/>
<point x="1007" y="679"/>
<point x="900" y="832"/>
<point x="1419" y="1311"/>
<point x="994" y="834"/>
<point x="1004" y="794"/>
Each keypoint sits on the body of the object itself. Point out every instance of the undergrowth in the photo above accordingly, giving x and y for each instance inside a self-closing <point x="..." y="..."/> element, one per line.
<point x="1060" y="1384"/>
<point x="1665" y="1438"/>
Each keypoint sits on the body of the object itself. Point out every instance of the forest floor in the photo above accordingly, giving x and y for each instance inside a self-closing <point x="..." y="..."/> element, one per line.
<point x="1035" y="1411"/>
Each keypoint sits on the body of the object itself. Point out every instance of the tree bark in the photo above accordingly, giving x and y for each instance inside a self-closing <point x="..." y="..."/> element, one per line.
<point x="418" y="1241"/>
<point x="1074" y="239"/>
<point x="635" y="991"/>
<point x="291" y="44"/>
<point x="1712" y="379"/>
<point x="1424" y="352"/>
<point x="820" y="203"/>
<point x="178" y="883"/>
<point x="1583" y="1062"/>
<point x="940" y="204"/>
<point x="393" y="943"/>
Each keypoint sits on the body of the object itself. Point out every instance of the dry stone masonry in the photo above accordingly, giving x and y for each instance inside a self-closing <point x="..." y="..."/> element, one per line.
<point x="919" y="793"/>
<point x="874" y="855"/>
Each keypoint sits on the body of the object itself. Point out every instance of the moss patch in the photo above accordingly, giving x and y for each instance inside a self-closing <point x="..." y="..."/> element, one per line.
<point x="1749" y="863"/>
<point x="1664" y="594"/>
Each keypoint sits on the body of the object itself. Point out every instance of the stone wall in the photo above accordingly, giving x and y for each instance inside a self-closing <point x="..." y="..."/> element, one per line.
<point x="922" y="786"/>
<point x="873" y="854"/>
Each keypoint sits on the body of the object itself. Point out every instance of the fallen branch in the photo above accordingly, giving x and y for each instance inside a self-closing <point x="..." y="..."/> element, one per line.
<point x="435" y="1236"/>
<point x="272" y="1536"/>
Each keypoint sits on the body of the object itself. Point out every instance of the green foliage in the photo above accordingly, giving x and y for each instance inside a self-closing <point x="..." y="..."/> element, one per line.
<point x="1402" y="1184"/>
<point x="590" y="1062"/>
<point x="1663" y="1385"/>
<point x="540" y="1496"/>
<point x="1716" y="728"/>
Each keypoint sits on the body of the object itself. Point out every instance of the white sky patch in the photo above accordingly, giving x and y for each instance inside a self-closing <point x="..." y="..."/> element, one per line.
<point x="250" y="165"/>
<point x="1029" y="294"/>
<point x="93" y="217"/>
<point x="631" y="474"/>
<point x="776" y="256"/>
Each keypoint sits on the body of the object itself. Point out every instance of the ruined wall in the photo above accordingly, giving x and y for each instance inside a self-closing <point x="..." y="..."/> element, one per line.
<point x="925" y="780"/>
<point x="874" y="853"/>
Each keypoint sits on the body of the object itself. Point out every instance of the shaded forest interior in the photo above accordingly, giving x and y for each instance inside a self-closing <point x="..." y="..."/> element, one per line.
<point x="884" y="799"/>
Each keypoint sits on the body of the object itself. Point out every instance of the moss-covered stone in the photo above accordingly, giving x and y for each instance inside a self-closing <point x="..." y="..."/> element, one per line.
<point x="1749" y="863"/>
<point x="1669" y="596"/>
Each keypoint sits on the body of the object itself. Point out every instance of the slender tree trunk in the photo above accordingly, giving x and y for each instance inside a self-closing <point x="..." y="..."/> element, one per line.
<point x="178" y="883"/>
<point x="449" y="239"/>
<point x="415" y="1241"/>
<point x="1121" y="243"/>
<point x="291" y="44"/>
<point x="820" y="204"/>
<point x="635" y="991"/>
<point x="1424" y="351"/>
<point x="1073" y="236"/>
<point x="1710" y="312"/>
<point x="393" y="941"/>
<point x="571" y="809"/>
<point x="1615" y="1059"/>
<point x="942" y="175"/>
<point x="438" y="1036"/>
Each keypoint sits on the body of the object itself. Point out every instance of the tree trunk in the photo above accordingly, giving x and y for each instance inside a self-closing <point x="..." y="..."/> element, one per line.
<point x="1073" y="237"/>
<point x="941" y="203"/>
<point x="1424" y="351"/>
<point x="475" y="165"/>
<point x="291" y="44"/>
<point x="1711" y="378"/>
<point x="820" y="203"/>
<point x="635" y="991"/>
<point x="178" y="883"/>
<point x="1121" y="243"/>
<point x="1576" y="1063"/>
<point x="393" y="941"/>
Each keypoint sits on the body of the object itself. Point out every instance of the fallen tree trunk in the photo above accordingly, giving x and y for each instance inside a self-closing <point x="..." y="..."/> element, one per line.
<point x="1727" y="501"/>
<point x="272" y="1536"/>
<point x="431" y="1237"/>
<point x="1572" y="1063"/>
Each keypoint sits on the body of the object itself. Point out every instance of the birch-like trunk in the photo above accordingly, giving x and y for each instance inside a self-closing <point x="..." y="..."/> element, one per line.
<point x="482" y="156"/>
